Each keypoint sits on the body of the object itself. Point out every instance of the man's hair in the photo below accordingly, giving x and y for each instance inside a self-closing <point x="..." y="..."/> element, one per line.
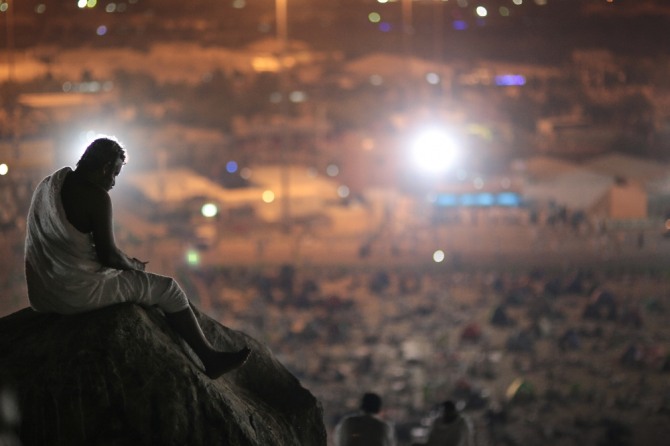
<point x="449" y="411"/>
<point x="101" y="152"/>
<point x="371" y="403"/>
<point x="449" y="406"/>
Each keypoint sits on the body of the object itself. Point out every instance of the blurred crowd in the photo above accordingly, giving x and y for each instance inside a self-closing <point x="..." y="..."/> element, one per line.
<point x="534" y="357"/>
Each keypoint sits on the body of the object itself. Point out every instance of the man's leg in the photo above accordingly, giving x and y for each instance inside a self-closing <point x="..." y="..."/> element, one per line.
<point x="216" y="363"/>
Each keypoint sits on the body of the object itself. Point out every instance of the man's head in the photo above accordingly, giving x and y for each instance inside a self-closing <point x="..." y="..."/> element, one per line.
<point x="449" y="410"/>
<point x="371" y="403"/>
<point x="103" y="160"/>
<point x="101" y="152"/>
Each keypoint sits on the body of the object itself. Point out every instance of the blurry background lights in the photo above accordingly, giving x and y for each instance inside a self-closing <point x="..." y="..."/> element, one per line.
<point x="209" y="210"/>
<point x="434" y="151"/>
<point x="192" y="257"/>
<point x="343" y="191"/>
<point x="374" y="17"/>
<point x="481" y="11"/>
<point x="332" y="170"/>
<point x="433" y="78"/>
<point x="376" y="80"/>
<point x="268" y="196"/>
<point x="231" y="167"/>
<point x="4" y="169"/>
<point x="438" y="256"/>
<point x="87" y="3"/>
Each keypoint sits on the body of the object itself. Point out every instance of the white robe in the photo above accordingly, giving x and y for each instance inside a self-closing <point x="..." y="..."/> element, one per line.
<point x="63" y="273"/>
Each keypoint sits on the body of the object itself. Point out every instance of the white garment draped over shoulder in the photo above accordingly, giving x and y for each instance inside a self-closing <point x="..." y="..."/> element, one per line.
<point x="62" y="269"/>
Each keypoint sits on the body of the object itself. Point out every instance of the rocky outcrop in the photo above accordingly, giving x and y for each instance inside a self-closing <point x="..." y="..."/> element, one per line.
<point x="120" y="376"/>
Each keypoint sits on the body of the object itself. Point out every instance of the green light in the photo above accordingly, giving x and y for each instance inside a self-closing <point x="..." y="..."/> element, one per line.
<point x="374" y="17"/>
<point x="193" y="257"/>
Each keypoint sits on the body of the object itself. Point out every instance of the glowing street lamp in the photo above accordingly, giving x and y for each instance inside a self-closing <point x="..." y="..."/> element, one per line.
<point x="434" y="151"/>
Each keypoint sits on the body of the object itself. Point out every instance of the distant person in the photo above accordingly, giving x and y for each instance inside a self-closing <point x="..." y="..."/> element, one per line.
<point x="451" y="428"/>
<point x="73" y="264"/>
<point x="365" y="428"/>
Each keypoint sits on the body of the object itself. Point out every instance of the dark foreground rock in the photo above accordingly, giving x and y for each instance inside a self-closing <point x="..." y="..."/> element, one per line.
<point x="120" y="376"/>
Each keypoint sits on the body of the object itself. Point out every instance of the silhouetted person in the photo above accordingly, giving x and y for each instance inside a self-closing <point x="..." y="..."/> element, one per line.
<point x="450" y="428"/>
<point x="73" y="264"/>
<point x="365" y="428"/>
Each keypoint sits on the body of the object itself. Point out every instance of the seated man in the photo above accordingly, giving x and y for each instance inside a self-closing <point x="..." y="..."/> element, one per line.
<point x="73" y="264"/>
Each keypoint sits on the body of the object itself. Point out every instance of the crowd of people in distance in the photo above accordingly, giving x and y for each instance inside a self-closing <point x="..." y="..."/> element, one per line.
<point x="580" y="348"/>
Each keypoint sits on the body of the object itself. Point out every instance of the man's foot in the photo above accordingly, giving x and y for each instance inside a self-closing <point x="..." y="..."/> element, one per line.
<point x="224" y="362"/>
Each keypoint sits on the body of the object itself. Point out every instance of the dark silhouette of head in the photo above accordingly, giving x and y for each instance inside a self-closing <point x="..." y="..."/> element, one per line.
<point x="100" y="153"/>
<point x="371" y="403"/>
<point x="449" y="411"/>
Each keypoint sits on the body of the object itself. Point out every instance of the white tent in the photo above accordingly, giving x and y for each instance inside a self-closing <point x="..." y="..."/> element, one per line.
<point x="577" y="189"/>
<point x="172" y="186"/>
<point x="307" y="191"/>
<point x="643" y="171"/>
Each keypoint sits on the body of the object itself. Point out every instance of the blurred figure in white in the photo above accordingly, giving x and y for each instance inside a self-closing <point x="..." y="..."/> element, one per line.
<point x="365" y="428"/>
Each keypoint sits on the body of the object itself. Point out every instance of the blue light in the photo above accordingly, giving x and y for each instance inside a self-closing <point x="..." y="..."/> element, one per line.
<point x="447" y="200"/>
<point x="508" y="199"/>
<point x="479" y="199"/>
<point x="469" y="199"/>
<point x="385" y="27"/>
<point x="231" y="167"/>
<point x="460" y="25"/>
<point x="485" y="199"/>
<point x="510" y="79"/>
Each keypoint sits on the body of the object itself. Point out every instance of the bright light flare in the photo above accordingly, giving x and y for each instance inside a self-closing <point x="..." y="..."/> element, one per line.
<point x="268" y="196"/>
<point x="434" y="151"/>
<point x="4" y="169"/>
<point x="481" y="11"/>
<point x="438" y="256"/>
<point x="209" y="210"/>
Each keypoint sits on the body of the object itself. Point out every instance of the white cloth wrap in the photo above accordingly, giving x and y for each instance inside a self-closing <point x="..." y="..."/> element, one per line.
<point x="63" y="273"/>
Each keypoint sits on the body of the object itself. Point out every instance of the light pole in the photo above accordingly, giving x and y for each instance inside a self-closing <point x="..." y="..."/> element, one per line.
<point x="285" y="180"/>
<point x="9" y="21"/>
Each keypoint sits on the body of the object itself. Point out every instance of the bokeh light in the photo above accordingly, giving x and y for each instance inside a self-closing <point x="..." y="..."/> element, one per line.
<point x="4" y="169"/>
<point x="231" y="167"/>
<point x="376" y="80"/>
<point x="209" y="210"/>
<point x="332" y="170"/>
<point x="192" y="257"/>
<point x="460" y="25"/>
<point x="438" y="256"/>
<point x="343" y="191"/>
<point x="268" y="196"/>
<point x="374" y="17"/>
<point x="434" y="151"/>
<point x="385" y="27"/>
<point x="481" y="11"/>
<point x="433" y="78"/>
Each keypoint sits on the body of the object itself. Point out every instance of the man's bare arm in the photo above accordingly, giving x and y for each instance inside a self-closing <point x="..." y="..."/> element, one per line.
<point x="103" y="236"/>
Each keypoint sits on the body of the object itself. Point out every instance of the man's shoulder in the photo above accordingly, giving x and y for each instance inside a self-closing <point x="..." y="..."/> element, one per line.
<point x="83" y="190"/>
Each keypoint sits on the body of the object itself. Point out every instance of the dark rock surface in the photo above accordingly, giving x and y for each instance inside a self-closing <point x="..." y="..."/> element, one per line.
<point x="120" y="376"/>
